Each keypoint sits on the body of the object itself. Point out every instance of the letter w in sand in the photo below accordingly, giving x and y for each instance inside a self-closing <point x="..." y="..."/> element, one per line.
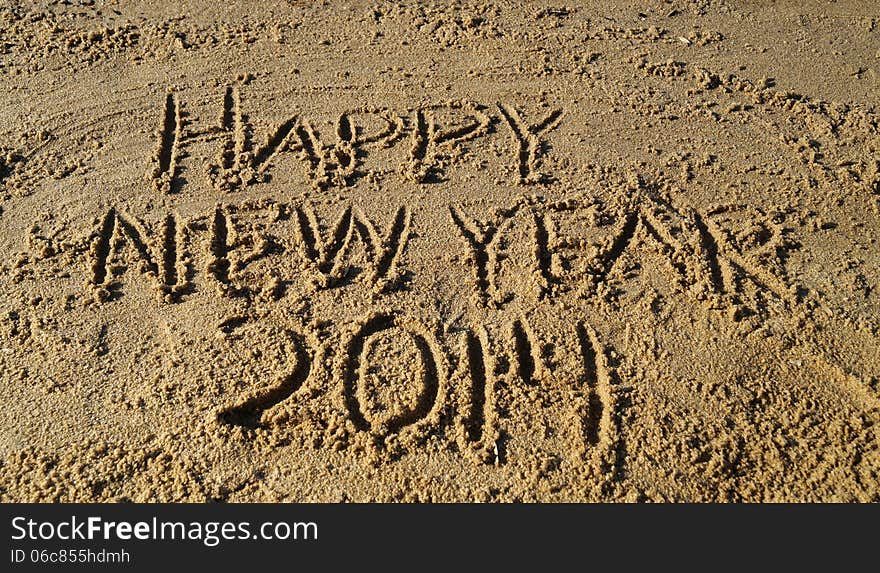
<point x="327" y="251"/>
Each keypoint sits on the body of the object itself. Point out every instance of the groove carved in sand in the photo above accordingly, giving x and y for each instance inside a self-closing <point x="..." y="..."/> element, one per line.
<point x="160" y="254"/>
<point x="356" y="366"/>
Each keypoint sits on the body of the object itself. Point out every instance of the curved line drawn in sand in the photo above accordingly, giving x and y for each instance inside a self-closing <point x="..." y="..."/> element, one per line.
<point x="830" y="132"/>
<point x="836" y="361"/>
<point x="865" y="389"/>
<point x="353" y="369"/>
<point x="250" y="412"/>
<point x="837" y="142"/>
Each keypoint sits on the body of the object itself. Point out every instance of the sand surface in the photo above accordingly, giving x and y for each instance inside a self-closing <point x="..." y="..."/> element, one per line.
<point x="424" y="251"/>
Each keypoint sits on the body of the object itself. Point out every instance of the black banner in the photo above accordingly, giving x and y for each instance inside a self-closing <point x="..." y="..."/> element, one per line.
<point x="412" y="537"/>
